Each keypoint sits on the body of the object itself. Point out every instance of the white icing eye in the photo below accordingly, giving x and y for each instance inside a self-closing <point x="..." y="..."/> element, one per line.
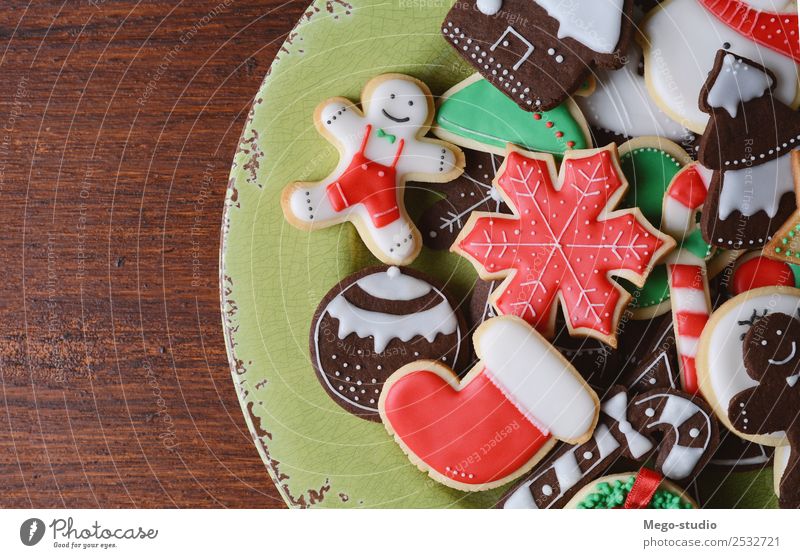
<point x="764" y="343"/>
<point x="779" y="332"/>
<point x="650" y="412"/>
<point x="694" y="432"/>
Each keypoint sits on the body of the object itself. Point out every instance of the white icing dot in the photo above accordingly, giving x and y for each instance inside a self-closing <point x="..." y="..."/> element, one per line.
<point x="694" y="433"/>
<point x="650" y="413"/>
<point x="547" y="490"/>
<point x="587" y="455"/>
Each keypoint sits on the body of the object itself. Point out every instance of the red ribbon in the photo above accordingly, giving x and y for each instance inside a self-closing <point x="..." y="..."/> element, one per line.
<point x="644" y="487"/>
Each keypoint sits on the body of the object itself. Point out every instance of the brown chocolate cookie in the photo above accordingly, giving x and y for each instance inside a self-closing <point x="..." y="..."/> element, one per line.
<point x="374" y="322"/>
<point x="538" y="52"/>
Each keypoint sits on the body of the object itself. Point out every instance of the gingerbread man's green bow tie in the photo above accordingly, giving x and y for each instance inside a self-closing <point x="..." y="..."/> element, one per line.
<point x="390" y="137"/>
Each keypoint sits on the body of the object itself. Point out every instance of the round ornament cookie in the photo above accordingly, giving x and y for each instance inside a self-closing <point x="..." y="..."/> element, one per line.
<point x="632" y="491"/>
<point x="374" y="322"/>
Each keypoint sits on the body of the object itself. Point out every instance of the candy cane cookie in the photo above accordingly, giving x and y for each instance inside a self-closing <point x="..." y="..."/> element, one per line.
<point x="686" y="266"/>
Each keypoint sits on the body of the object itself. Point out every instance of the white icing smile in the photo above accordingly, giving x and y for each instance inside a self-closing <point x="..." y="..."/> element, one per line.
<point x="785" y="360"/>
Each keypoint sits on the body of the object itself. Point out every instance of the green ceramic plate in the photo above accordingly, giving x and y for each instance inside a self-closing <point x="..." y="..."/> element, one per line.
<point x="273" y="275"/>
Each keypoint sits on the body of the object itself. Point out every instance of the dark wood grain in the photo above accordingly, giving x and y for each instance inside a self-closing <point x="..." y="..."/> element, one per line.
<point x="118" y="122"/>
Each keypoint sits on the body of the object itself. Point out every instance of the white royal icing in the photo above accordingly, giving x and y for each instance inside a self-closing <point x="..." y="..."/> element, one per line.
<point x="489" y="7"/>
<point x="394" y="285"/>
<point x="725" y="363"/>
<point x="385" y="327"/>
<point x="681" y="459"/>
<point x="532" y="375"/>
<point x="522" y="498"/>
<point x="617" y="408"/>
<point x="683" y="40"/>
<point x="387" y="109"/>
<point x="621" y="104"/>
<point x="756" y="188"/>
<point x="597" y="24"/>
<point x="737" y="82"/>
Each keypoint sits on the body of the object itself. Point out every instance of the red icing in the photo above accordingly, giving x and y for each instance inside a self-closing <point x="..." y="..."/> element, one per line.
<point x="688" y="188"/>
<point x="689" y="371"/>
<point x="761" y="272"/>
<point x="643" y="489"/>
<point x="556" y="243"/>
<point x="690" y="324"/>
<point x="687" y="276"/>
<point x="773" y="30"/>
<point x="369" y="183"/>
<point x="475" y="435"/>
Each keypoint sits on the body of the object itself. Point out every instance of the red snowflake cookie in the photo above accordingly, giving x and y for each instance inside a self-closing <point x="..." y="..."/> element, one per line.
<point x="564" y="241"/>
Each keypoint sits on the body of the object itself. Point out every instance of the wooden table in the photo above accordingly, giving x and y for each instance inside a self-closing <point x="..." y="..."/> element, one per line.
<point x="118" y="122"/>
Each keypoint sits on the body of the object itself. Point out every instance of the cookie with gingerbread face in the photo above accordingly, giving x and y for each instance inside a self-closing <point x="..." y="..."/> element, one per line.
<point x="772" y="359"/>
<point x="749" y="371"/>
<point x="380" y="148"/>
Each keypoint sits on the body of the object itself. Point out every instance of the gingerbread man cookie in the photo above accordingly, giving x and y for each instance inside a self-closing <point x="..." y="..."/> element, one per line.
<point x="379" y="150"/>
<point x="749" y="370"/>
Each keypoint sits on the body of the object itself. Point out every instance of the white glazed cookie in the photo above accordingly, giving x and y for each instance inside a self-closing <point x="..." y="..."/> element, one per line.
<point x="682" y="39"/>
<point x="379" y="150"/>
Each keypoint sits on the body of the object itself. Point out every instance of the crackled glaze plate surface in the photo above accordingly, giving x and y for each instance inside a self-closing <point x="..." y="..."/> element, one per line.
<point x="273" y="275"/>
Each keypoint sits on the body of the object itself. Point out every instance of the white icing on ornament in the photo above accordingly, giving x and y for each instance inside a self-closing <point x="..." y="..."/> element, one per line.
<point x="393" y="285"/>
<point x="737" y="83"/>
<point x="385" y="327"/>
<point x="757" y="188"/>
<point x="683" y="40"/>
<point x="489" y="7"/>
<point x="621" y="104"/>
<point x="526" y="368"/>
<point x="597" y="24"/>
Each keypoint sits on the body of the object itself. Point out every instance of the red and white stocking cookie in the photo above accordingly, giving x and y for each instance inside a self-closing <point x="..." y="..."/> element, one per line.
<point x="563" y="242"/>
<point x="379" y="150"/>
<point x="500" y="420"/>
